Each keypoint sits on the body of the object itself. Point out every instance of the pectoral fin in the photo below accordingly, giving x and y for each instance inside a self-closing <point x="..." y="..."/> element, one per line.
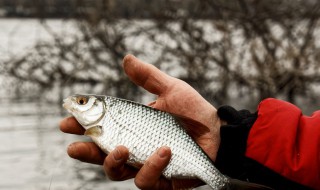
<point x="95" y="131"/>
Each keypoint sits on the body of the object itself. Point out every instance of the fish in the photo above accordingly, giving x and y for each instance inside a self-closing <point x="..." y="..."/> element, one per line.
<point x="111" y="122"/>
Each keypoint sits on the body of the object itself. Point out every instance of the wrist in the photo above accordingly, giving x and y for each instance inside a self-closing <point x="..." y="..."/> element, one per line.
<point x="215" y="126"/>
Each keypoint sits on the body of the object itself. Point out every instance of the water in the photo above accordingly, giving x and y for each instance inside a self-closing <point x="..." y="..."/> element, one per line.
<point x="33" y="152"/>
<point x="32" y="149"/>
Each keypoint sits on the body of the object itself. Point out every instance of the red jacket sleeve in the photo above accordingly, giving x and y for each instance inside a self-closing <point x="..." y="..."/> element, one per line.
<point x="287" y="142"/>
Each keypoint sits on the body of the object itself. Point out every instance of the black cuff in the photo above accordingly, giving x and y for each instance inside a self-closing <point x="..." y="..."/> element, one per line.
<point x="234" y="137"/>
<point x="231" y="159"/>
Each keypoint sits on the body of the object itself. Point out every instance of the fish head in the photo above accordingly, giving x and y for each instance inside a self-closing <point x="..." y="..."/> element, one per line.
<point x="87" y="109"/>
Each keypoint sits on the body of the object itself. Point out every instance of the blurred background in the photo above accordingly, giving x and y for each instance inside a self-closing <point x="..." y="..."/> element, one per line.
<point x="232" y="52"/>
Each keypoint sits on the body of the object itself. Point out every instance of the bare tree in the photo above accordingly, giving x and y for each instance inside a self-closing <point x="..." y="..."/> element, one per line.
<point x="240" y="50"/>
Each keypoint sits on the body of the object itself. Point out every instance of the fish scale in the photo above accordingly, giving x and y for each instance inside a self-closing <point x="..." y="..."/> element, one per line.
<point x="111" y="122"/>
<point x="143" y="129"/>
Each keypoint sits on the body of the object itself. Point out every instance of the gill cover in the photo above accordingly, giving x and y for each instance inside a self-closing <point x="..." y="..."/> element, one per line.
<point x="87" y="109"/>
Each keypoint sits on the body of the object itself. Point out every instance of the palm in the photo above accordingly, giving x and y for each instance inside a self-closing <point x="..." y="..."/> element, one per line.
<point x="182" y="99"/>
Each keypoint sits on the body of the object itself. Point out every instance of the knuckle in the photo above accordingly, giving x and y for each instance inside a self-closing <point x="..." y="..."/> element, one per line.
<point x="112" y="174"/>
<point x="144" y="179"/>
<point x="141" y="183"/>
<point x="114" y="177"/>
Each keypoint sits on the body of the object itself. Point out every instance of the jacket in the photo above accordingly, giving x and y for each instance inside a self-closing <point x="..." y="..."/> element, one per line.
<point x="276" y="146"/>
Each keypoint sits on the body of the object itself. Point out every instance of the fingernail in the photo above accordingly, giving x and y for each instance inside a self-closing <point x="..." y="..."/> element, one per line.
<point x="72" y="150"/>
<point x="163" y="152"/>
<point x="117" y="155"/>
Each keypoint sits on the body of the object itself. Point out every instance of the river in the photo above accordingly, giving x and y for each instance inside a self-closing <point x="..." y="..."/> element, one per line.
<point x="32" y="149"/>
<point x="33" y="152"/>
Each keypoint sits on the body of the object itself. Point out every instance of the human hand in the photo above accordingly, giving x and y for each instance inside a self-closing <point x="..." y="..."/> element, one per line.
<point x="177" y="97"/>
<point x="174" y="96"/>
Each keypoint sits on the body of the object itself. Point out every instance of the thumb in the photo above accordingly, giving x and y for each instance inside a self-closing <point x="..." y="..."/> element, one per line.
<point x="146" y="75"/>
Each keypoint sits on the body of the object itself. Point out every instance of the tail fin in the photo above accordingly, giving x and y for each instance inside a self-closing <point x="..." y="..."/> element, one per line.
<point x="235" y="184"/>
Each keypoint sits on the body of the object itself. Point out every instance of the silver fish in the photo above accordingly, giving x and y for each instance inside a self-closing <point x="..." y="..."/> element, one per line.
<point x="111" y="122"/>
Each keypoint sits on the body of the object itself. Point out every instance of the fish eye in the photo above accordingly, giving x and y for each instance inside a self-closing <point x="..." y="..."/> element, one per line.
<point x="82" y="100"/>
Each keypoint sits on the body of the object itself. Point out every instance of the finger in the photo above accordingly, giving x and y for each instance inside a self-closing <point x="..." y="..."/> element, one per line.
<point x="86" y="152"/>
<point x="146" y="75"/>
<point x="186" y="183"/>
<point x="149" y="175"/>
<point x="71" y="125"/>
<point x="115" y="165"/>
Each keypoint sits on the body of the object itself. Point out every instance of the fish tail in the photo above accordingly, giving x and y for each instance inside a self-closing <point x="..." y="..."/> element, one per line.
<point x="214" y="179"/>
<point x="234" y="184"/>
<point x="218" y="181"/>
